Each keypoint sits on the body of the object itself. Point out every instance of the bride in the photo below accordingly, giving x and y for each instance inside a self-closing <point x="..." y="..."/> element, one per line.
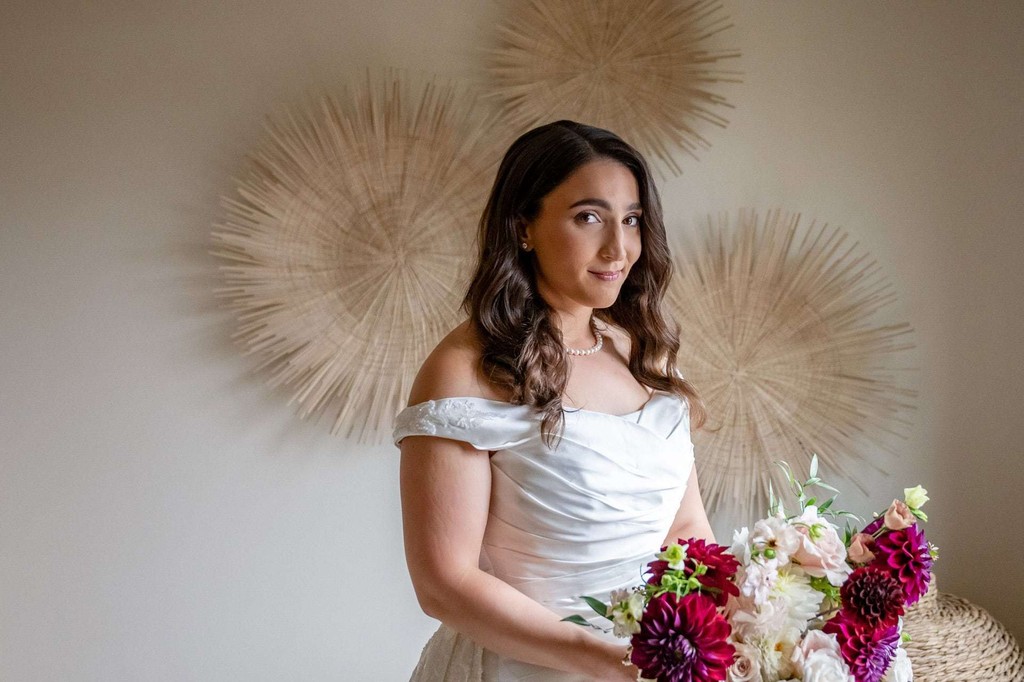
<point x="546" y="452"/>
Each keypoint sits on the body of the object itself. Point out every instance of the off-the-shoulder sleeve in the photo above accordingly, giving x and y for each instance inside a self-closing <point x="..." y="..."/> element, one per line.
<point x="484" y="424"/>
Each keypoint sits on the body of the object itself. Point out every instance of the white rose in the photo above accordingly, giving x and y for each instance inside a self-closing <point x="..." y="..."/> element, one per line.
<point x="825" y="665"/>
<point x="747" y="666"/>
<point x="813" y="641"/>
<point x="900" y="669"/>
<point x="822" y="552"/>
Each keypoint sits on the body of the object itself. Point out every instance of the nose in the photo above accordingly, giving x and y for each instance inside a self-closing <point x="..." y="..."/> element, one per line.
<point x="614" y="247"/>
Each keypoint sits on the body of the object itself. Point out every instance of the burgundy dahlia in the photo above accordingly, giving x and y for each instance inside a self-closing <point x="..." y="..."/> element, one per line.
<point x="682" y="640"/>
<point x="721" y="567"/>
<point x="905" y="554"/>
<point x="873" y="597"/>
<point x="868" y="651"/>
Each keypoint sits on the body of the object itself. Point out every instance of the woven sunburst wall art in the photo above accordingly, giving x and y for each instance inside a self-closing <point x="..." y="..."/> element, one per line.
<point x="347" y="246"/>
<point x="777" y="335"/>
<point x="644" y="69"/>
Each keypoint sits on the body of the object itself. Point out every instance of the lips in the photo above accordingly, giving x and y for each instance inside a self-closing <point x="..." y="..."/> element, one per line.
<point x="608" y="275"/>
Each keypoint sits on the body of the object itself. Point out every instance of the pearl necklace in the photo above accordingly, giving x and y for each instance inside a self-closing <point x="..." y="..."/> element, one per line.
<point x="593" y="349"/>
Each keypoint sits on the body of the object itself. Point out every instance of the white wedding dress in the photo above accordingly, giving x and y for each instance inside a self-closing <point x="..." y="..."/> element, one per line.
<point x="583" y="518"/>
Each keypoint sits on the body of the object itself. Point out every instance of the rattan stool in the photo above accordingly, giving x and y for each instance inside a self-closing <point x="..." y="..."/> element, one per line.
<point x="952" y="640"/>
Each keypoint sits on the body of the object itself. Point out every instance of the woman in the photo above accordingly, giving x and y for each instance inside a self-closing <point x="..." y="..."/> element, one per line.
<point x="546" y="450"/>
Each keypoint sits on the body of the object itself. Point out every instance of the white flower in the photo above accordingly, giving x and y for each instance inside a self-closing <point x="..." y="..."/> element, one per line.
<point x="751" y="623"/>
<point x="758" y="581"/>
<point x="625" y="610"/>
<point x="616" y="597"/>
<point x="899" y="670"/>
<point x="775" y="539"/>
<point x="741" y="545"/>
<point x="747" y="665"/>
<point x="824" y="665"/>
<point x="797" y="598"/>
<point x="776" y="655"/>
<point x="822" y="552"/>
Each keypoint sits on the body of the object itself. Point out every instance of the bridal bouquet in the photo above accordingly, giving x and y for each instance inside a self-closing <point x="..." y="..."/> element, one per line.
<point x="790" y="600"/>
<point x="675" y="620"/>
<point x="817" y="606"/>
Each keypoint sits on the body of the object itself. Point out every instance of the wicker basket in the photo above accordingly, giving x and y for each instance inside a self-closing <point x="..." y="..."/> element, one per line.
<point x="952" y="640"/>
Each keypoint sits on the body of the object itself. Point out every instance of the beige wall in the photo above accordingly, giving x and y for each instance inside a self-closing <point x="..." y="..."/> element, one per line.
<point x="163" y="516"/>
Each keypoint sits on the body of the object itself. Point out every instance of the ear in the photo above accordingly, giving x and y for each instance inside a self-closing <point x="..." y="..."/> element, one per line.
<point x="524" y="233"/>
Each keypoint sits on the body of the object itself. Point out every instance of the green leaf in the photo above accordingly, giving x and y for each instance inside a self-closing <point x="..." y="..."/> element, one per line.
<point x="599" y="606"/>
<point x="814" y="465"/>
<point x="579" y="620"/>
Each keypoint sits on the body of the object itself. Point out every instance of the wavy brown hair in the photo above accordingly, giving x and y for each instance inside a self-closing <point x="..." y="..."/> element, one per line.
<point x="523" y="351"/>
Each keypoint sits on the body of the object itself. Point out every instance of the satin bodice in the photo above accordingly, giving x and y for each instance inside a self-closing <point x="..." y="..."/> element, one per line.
<point x="581" y="517"/>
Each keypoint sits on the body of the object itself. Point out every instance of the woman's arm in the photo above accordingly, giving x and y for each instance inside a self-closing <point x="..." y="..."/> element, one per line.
<point x="445" y="486"/>
<point x="692" y="519"/>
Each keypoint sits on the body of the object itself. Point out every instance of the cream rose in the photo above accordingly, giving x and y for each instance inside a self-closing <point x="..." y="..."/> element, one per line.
<point x="746" y="667"/>
<point x="826" y="666"/>
<point x="814" y="641"/>
<point x="915" y="497"/>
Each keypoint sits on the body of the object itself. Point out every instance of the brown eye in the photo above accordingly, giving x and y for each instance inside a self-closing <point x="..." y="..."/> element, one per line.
<point x="633" y="221"/>
<point x="587" y="217"/>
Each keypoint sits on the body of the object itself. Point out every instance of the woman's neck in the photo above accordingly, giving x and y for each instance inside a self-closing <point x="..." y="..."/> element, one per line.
<point x="576" y="327"/>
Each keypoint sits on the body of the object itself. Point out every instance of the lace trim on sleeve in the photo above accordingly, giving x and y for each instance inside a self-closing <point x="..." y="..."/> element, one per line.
<point x="455" y="418"/>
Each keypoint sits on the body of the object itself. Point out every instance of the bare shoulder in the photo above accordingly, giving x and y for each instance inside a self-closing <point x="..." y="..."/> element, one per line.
<point x="453" y="369"/>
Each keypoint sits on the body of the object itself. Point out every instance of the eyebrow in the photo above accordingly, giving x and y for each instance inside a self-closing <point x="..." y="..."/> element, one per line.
<point x="603" y="204"/>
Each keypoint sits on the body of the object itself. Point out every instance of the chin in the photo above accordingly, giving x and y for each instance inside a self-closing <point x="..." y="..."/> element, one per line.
<point x="603" y="302"/>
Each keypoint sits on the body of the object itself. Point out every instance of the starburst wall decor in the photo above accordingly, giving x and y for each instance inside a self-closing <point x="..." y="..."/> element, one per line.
<point x="347" y="247"/>
<point x="643" y="69"/>
<point x="777" y="335"/>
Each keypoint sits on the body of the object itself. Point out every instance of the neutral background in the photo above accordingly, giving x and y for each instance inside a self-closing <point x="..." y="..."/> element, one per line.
<point x="165" y="516"/>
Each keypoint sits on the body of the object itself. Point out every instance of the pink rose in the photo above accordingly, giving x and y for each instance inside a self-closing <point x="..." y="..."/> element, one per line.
<point x="860" y="548"/>
<point x="822" y="553"/>
<point x="898" y="516"/>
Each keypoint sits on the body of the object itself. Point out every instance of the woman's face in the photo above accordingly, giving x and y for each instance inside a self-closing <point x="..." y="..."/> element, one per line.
<point x="588" y="225"/>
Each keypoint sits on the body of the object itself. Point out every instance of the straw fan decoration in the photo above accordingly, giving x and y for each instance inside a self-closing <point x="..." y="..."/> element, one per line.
<point x="776" y="334"/>
<point x="645" y="69"/>
<point x="348" y="246"/>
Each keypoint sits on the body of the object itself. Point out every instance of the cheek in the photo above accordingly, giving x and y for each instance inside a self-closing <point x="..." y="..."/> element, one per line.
<point x="570" y="249"/>
<point x="635" y="246"/>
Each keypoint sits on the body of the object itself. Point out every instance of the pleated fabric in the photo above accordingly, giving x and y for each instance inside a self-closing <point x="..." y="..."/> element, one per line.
<point x="582" y="518"/>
